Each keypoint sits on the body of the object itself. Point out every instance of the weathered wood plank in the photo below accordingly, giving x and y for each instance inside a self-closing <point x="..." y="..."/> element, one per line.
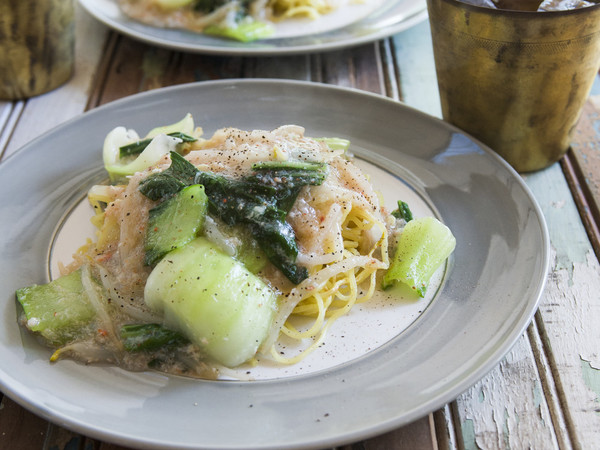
<point x="59" y="438"/>
<point x="19" y="428"/>
<point x="390" y="73"/>
<point x="548" y="384"/>
<point x="417" y="435"/>
<point x="108" y="446"/>
<point x="570" y="310"/>
<point x="444" y="431"/>
<point x="9" y="115"/>
<point x="294" y="67"/>
<point x="507" y="409"/>
<point x="358" y="68"/>
<point x="582" y="166"/>
<point x="413" y="60"/>
<point x="135" y="67"/>
<point x="584" y="197"/>
<point x="586" y="147"/>
<point x="187" y="68"/>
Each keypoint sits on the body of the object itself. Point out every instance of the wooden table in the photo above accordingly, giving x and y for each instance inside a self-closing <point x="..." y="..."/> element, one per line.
<point x="544" y="394"/>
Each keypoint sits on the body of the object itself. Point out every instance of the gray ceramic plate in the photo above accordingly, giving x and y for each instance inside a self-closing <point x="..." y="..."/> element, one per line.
<point x="393" y="17"/>
<point x="487" y="298"/>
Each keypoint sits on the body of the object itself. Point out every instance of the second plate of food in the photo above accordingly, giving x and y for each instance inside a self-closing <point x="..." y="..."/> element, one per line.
<point x="351" y="24"/>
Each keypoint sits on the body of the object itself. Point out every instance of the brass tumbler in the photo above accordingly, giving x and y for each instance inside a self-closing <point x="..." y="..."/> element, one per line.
<point x="36" y="46"/>
<point x="516" y="80"/>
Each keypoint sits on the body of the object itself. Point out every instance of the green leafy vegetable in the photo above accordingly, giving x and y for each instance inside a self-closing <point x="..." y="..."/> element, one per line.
<point x="335" y="143"/>
<point x="243" y="31"/>
<point x="160" y="144"/>
<point x="185" y="126"/>
<point x="285" y="179"/>
<point x="178" y="175"/>
<point x="260" y="201"/>
<point x="249" y="253"/>
<point x="175" y="222"/>
<point x="58" y="311"/>
<point x="403" y="211"/>
<point x="242" y="28"/>
<point x="138" y="147"/>
<point x="207" y="6"/>
<point x="290" y="165"/>
<point x="425" y="243"/>
<point x="173" y="4"/>
<point x="213" y="300"/>
<point x="149" y="337"/>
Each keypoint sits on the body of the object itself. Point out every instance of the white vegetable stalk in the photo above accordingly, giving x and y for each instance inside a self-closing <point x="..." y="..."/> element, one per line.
<point x="160" y="146"/>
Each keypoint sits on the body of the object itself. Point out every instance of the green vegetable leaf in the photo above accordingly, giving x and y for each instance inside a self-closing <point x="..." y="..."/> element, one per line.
<point x="244" y="31"/>
<point x="175" y="222"/>
<point x="135" y="148"/>
<point x="335" y="143"/>
<point x="425" y="243"/>
<point x="286" y="178"/>
<point x="149" y="336"/>
<point x="260" y="201"/>
<point x="59" y="311"/>
<point x="282" y="250"/>
<point x="207" y="6"/>
<point x="221" y="307"/>
<point x="403" y="211"/>
<point x="180" y="174"/>
<point x="290" y="165"/>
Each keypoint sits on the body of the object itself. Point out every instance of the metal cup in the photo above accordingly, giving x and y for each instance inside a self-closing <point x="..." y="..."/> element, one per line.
<point x="36" y="46"/>
<point x="516" y="80"/>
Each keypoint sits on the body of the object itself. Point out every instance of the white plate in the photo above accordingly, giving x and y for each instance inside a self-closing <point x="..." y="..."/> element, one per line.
<point x="350" y="26"/>
<point x="490" y="292"/>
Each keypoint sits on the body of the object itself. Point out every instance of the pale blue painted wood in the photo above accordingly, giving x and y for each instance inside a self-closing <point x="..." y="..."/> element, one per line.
<point x="567" y="233"/>
<point x="596" y="86"/>
<point x="414" y="56"/>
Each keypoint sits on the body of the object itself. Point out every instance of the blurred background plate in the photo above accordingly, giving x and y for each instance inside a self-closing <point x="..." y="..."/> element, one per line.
<point x="390" y="18"/>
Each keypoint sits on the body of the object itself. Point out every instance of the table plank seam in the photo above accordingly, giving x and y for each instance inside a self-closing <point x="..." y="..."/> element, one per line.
<point x="101" y="76"/>
<point x="546" y="373"/>
<point x="584" y="199"/>
<point x="444" y="430"/>
<point x="8" y="123"/>
<point x="558" y="406"/>
<point x="391" y="73"/>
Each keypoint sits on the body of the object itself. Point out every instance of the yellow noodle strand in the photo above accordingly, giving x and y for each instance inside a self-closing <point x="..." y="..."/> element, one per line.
<point x="341" y="292"/>
<point x="312" y="9"/>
